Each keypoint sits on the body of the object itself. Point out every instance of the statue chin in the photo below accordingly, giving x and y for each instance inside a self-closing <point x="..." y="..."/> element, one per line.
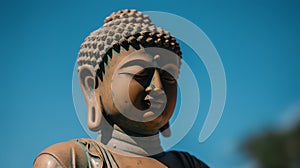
<point x="149" y="116"/>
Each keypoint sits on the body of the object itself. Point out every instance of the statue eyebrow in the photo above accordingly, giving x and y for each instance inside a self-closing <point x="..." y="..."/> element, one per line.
<point x="137" y="62"/>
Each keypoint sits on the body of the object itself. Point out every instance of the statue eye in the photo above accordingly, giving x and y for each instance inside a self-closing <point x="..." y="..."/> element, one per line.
<point x="144" y="77"/>
<point x="141" y="76"/>
<point x="166" y="76"/>
<point x="145" y="73"/>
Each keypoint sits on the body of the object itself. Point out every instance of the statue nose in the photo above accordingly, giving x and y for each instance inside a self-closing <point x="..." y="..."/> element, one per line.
<point x="155" y="93"/>
<point x="155" y="82"/>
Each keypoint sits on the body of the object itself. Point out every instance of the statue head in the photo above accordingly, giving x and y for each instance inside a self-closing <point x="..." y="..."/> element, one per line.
<point x="128" y="72"/>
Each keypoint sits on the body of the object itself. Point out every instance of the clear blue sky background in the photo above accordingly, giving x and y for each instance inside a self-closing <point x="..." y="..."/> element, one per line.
<point x="258" y="43"/>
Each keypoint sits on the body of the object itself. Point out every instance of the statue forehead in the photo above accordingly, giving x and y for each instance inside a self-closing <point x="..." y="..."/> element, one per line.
<point x="134" y="61"/>
<point x="147" y="57"/>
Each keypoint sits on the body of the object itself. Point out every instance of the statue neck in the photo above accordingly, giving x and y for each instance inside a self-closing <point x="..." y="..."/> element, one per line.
<point x="144" y="146"/>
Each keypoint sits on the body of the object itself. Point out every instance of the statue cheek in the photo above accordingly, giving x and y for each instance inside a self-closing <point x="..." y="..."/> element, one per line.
<point x="136" y="91"/>
<point x="120" y="93"/>
<point x="171" y="98"/>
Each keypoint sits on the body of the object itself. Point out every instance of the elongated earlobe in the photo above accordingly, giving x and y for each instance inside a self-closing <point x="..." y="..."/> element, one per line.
<point x="165" y="130"/>
<point x="88" y="83"/>
<point x="94" y="116"/>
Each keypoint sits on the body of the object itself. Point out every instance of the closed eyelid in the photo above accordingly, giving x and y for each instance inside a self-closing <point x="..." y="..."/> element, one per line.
<point x="168" y="77"/>
<point x="171" y="71"/>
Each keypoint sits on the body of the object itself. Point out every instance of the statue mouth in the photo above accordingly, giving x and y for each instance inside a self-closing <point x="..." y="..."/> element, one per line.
<point x="146" y="103"/>
<point x="155" y="104"/>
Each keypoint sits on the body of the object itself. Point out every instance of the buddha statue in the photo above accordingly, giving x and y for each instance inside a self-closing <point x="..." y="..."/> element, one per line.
<point x="128" y="71"/>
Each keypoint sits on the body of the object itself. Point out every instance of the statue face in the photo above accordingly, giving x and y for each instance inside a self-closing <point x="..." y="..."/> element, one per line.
<point x="139" y="89"/>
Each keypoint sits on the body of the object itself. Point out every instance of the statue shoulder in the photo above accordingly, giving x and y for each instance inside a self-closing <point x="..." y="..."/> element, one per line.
<point x="189" y="160"/>
<point x="64" y="154"/>
<point x="83" y="152"/>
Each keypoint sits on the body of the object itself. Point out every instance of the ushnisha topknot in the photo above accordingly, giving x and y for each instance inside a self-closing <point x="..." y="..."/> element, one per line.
<point x="123" y="29"/>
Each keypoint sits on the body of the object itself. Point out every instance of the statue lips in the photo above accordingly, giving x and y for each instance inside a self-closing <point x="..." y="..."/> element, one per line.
<point x="155" y="103"/>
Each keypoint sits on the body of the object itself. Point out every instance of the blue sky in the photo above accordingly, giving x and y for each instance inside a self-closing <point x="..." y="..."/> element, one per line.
<point x="258" y="43"/>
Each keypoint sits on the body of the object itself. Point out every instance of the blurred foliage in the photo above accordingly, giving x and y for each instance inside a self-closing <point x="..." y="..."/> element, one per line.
<point x="275" y="149"/>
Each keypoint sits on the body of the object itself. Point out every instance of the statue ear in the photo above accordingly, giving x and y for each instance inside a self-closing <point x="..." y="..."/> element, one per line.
<point x="165" y="130"/>
<point x="88" y="82"/>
